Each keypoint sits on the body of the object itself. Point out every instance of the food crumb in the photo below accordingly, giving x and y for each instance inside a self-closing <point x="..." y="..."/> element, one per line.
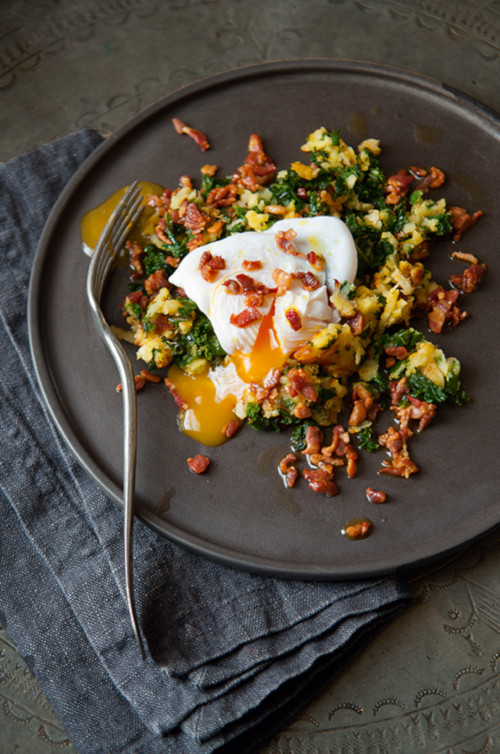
<point x="375" y="496"/>
<point x="198" y="464"/>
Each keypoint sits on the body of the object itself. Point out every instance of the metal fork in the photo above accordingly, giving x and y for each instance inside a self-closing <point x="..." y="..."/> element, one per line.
<point x="107" y="249"/>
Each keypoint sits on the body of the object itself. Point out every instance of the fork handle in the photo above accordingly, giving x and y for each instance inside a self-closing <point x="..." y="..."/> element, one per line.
<point x="129" y="463"/>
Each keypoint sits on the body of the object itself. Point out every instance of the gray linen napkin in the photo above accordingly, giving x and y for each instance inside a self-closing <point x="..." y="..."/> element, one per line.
<point x="231" y="654"/>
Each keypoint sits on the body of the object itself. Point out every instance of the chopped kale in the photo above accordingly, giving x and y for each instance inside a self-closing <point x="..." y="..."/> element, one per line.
<point x="347" y="289"/>
<point x="153" y="259"/>
<point x="424" y="389"/>
<point x="209" y="182"/>
<point x="444" y="226"/>
<point x="367" y="440"/>
<point x="284" y="190"/>
<point x="298" y="440"/>
<point x="133" y="309"/>
<point x="335" y="137"/>
<point x="199" y="343"/>
<point x="408" y="338"/>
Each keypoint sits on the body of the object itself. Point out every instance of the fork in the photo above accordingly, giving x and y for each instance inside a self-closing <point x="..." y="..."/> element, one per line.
<point x="105" y="253"/>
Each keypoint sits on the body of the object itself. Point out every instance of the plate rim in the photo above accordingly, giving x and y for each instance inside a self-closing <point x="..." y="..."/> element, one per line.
<point x="224" y="554"/>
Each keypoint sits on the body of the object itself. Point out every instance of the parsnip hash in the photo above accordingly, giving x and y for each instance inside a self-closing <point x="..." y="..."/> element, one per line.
<point x="302" y="299"/>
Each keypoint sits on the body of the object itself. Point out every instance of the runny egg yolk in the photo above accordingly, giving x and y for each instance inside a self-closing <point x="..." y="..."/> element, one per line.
<point x="207" y="413"/>
<point x="93" y="222"/>
<point x="266" y="354"/>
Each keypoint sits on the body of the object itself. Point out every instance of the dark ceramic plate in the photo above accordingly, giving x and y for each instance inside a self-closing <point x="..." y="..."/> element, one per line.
<point x="239" y="512"/>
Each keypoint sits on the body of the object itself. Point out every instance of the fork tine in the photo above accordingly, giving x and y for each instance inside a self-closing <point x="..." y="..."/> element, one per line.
<point x="115" y="244"/>
<point x="113" y="237"/>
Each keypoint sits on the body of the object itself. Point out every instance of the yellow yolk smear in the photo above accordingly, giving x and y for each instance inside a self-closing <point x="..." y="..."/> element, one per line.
<point x="93" y="222"/>
<point x="206" y="415"/>
<point x="253" y="367"/>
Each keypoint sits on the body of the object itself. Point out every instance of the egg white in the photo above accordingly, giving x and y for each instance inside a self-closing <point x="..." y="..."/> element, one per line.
<point x="326" y="236"/>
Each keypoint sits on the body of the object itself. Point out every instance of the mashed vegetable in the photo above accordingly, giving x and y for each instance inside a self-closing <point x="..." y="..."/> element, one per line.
<point x="374" y="357"/>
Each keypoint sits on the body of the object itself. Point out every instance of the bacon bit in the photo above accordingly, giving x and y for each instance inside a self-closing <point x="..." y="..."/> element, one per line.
<point x="194" y="219"/>
<point x="140" y="380"/>
<point x="313" y="439"/>
<point x="400" y="464"/>
<point x="136" y="297"/>
<point x="293" y="318"/>
<point x="444" y="309"/>
<point x="284" y="241"/>
<point x="339" y="443"/>
<point x="418" y="172"/>
<point x="358" y="530"/>
<point x="258" y="168"/>
<point x="245" y="317"/>
<point x="283" y="280"/>
<point x="309" y="392"/>
<point x="422" y="251"/>
<point x="154" y="282"/>
<point x="375" y="496"/>
<point x="172" y="261"/>
<point x="251" y="264"/>
<point x="231" y="427"/>
<point x="198" y="136"/>
<point x="296" y="381"/>
<point x="398" y="389"/>
<point x="216" y="228"/>
<point x="222" y="196"/>
<point x="308" y="280"/>
<point x="272" y="378"/>
<point x="253" y="298"/>
<point x="160" y="203"/>
<point x="320" y="480"/>
<point x="301" y="411"/>
<point x="432" y="180"/>
<point x="316" y="261"/>
<point x="361" y="394"/>
<point x="198" y="464"/>
<point x="232" y="286"/>
<point x="136" y="253"/>
<point x="209" y="170"/>
<point x="469" y="280"/>
<point x="358" y="414"/>
<point x="397" y="186"/>
<point x="399" y="352"/>
<point x="194" y="242"/>
<point x="461" y="221"/>
<point x="162" y="324"/>
<point x="247" y="282"/>
<point x="150" y="377"/>
<point x="275" y="209"/>
<point x="356" y="323"/>
<point x="418" y="410"/>
<point x="464" y="256"/>
<point x="210" y="266"/>
<point x="185" y="182"/>
<point x="288" y="469"/>
<point x="179" y="400"/>
<point x="160" y="233"/>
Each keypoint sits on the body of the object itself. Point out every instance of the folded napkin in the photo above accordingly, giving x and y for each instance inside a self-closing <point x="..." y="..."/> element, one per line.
<point x="231" y="655"/>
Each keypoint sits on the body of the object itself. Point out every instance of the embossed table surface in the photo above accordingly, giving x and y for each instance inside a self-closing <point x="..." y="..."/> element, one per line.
<point x="430" y="682"/>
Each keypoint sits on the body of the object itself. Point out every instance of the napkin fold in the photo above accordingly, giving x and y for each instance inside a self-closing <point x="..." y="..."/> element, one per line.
<point x="232" y="655"/>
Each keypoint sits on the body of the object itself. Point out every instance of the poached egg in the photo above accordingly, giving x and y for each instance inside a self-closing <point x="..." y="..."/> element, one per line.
<point x="265" y="293"/>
